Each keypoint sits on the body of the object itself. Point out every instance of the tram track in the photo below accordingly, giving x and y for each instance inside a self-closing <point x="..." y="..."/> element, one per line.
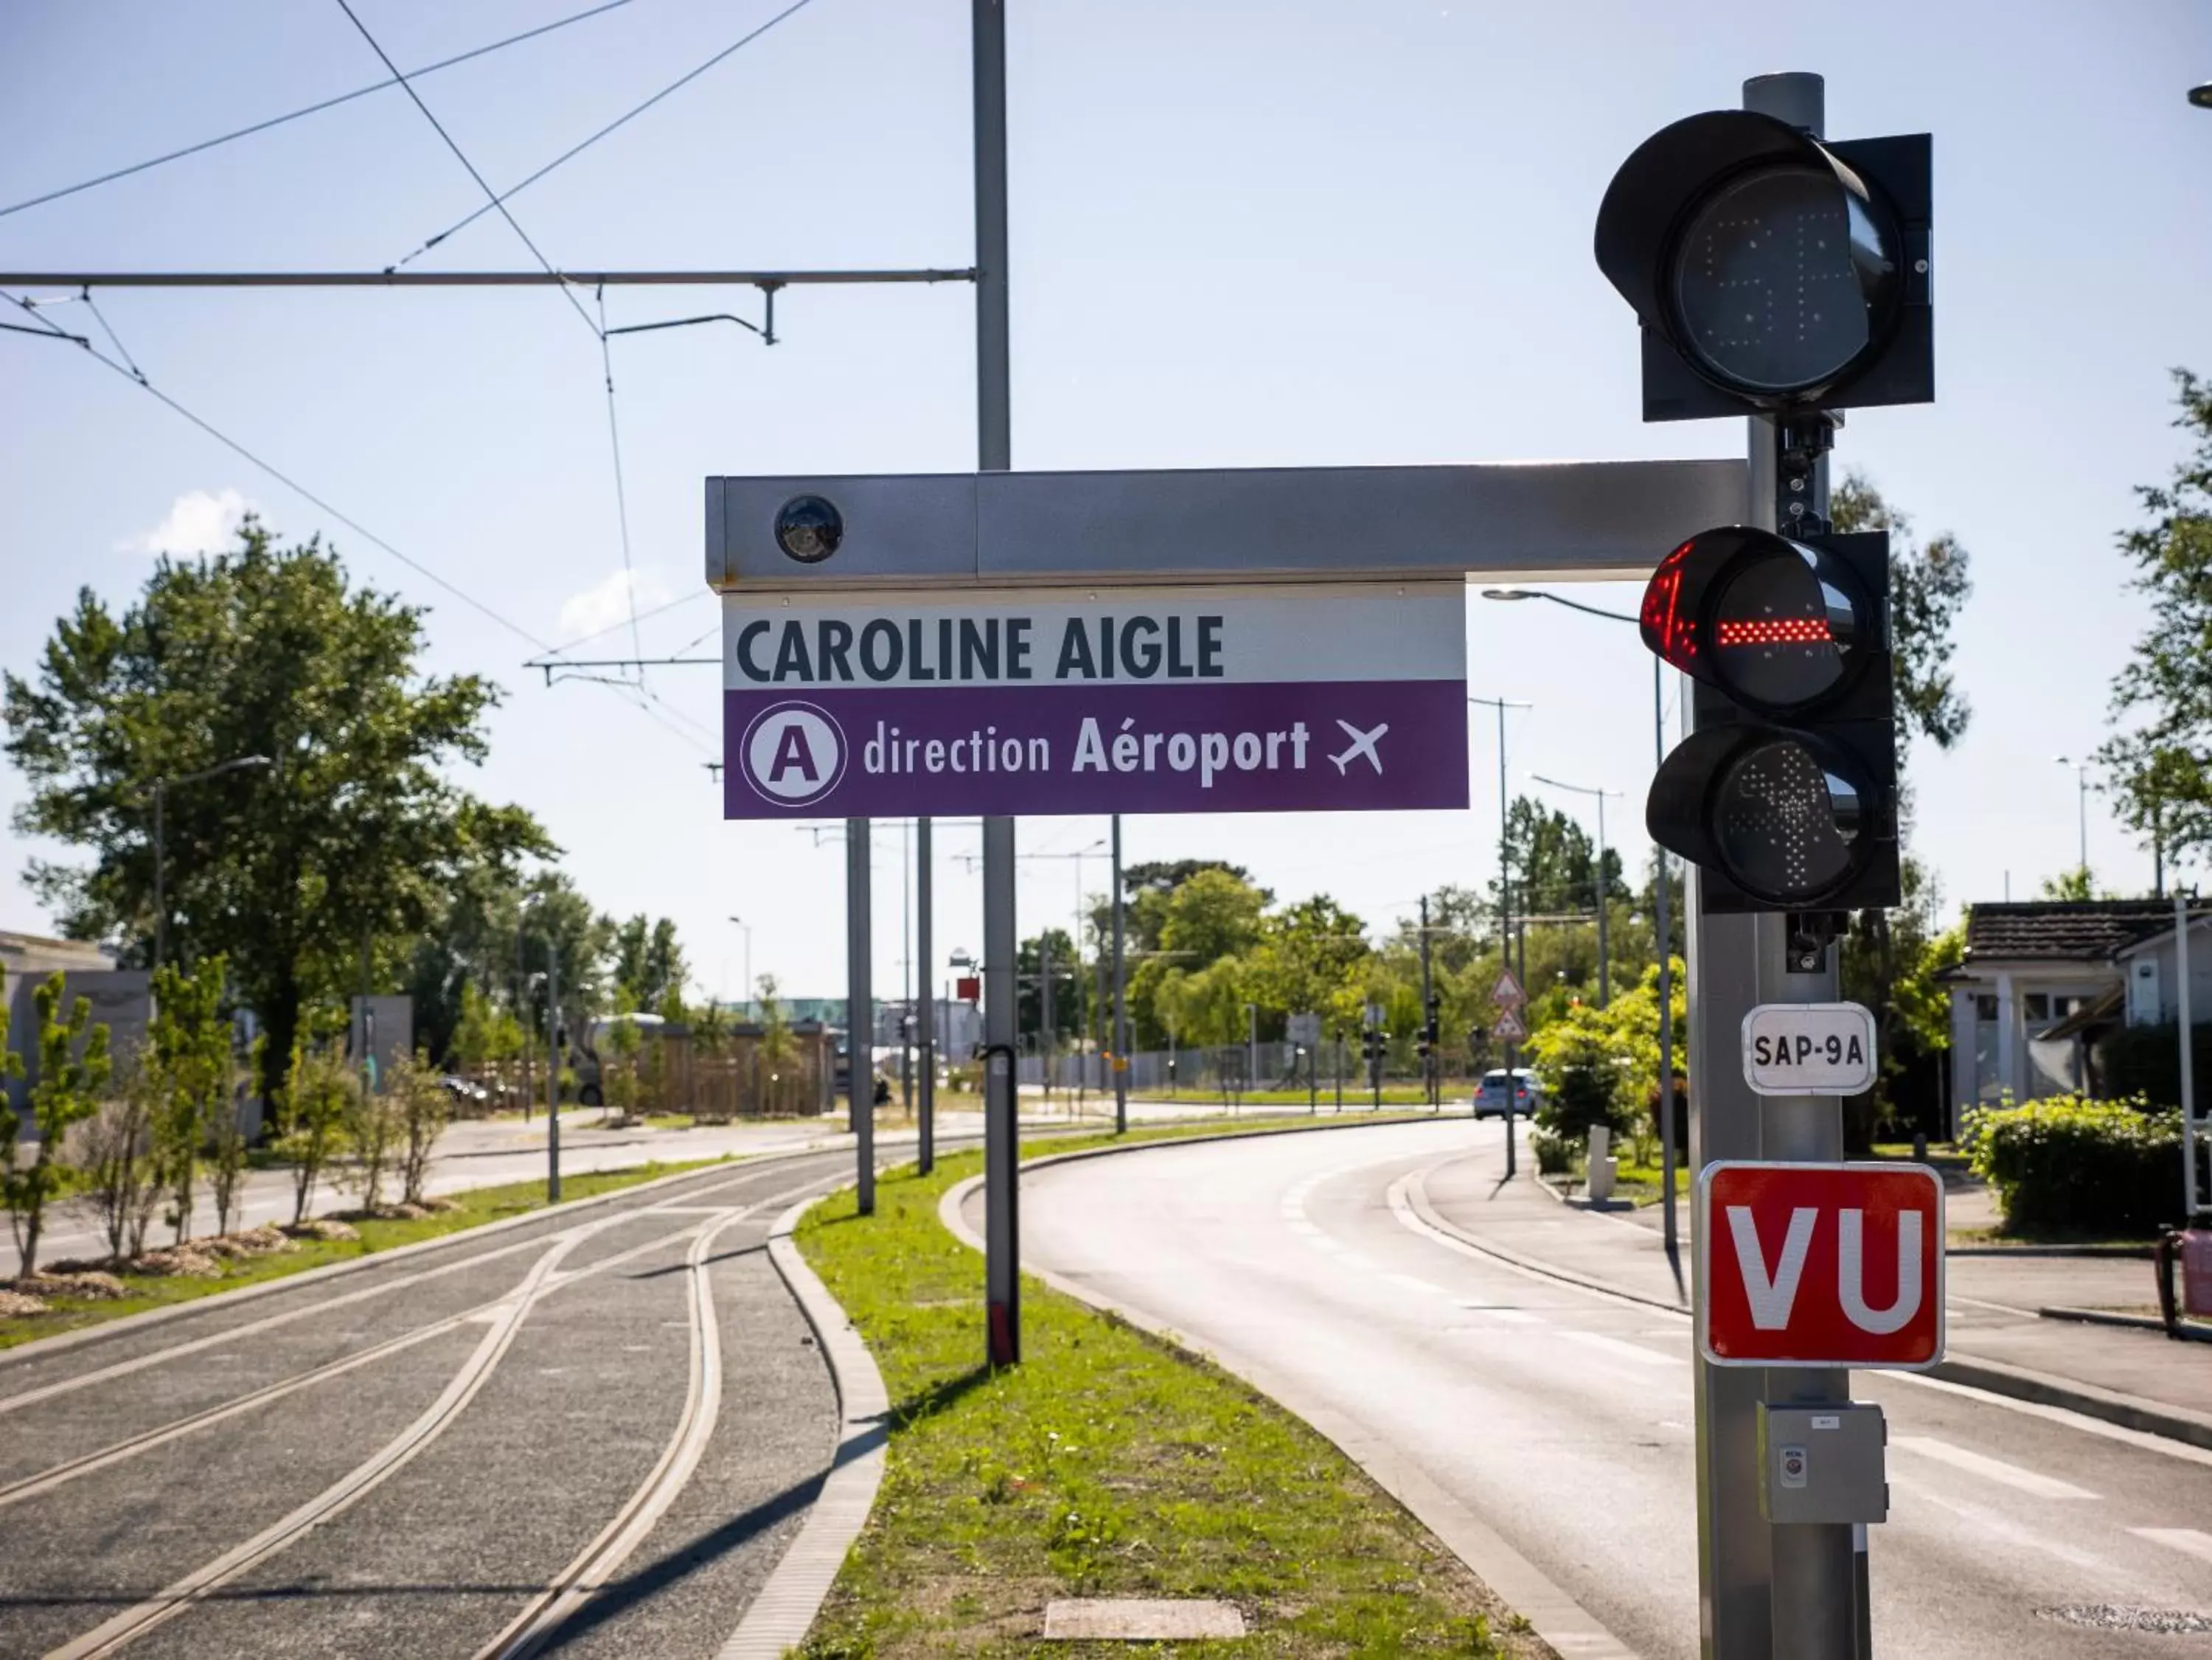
<point x="546" y="1613"/>
<point x="705" y="1223"/>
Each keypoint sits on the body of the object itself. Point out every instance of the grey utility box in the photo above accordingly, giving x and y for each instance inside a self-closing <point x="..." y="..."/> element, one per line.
<point x="1823" y="1463"/>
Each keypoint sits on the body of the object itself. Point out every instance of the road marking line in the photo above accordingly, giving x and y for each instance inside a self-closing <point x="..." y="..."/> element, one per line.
<point x="1996" y="1469"/>
<point x="1618" y="1347"/>
<point x="1990" y="1524"/>
<point x="2188" y="1541"/>
<point x="1412" y="1283"/>
<point x="1511" y="1316"/>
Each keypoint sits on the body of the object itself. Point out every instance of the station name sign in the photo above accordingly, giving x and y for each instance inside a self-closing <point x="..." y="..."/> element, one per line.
<point x="1328" y="698"/>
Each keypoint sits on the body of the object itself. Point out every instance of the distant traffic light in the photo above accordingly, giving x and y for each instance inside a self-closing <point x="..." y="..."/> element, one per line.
<point x="1772" y="270"/>
<point x="1786" y="793"/>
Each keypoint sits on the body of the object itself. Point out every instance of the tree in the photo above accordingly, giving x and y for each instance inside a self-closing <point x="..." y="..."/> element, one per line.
<point x="1928" y="588"/>
<point x="420" y="1100"/>
<point x="649" y="963"/>
<point x="115" y="1151"/>
<point x="318" y="1087"/>
<point x="1308" y="958"/>
<point x="11" y="1122"/>
<point x="225" y="1146"/>
<point x="560" y="921"/>
<point x="2161" y="769"/>
<point x="355" y="833"/>
<point x="73" y="1071"/>
<point x="189" y="1064"/>
<point x="374" y="1128"/>
<point x="1214" y="912"/>
<point x="1051" y="948"/>
<point x="1554" y="861"/>
<point x="778" y="1049"/>
<point x="1148" y="885"/>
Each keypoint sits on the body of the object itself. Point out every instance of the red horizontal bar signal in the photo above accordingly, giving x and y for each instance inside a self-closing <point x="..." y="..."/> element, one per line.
<point x="1776" y="630"/>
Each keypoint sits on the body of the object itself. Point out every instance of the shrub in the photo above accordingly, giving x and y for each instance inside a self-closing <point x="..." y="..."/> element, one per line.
<point x="2068" y="1165"/>
<point x="1584" y="1076"/>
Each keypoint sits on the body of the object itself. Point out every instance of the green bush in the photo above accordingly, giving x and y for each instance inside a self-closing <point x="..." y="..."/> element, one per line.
<point x="1584" y="1076"/>
<point x="2145" y="1061"/>
<point x="2068" y="1165"/>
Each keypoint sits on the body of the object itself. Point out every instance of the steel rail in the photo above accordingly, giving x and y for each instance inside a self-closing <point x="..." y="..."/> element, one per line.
<point x="166" y="1604"/>
<point x="584" y="1578"/>
<point x="57" y="1474"/>
<point x="32" y="1396"/>
<point x="543" y="1280"/>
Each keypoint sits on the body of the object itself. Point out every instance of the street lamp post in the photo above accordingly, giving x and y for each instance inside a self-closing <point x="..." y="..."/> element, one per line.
<point x="2080" y="804"/>
<point x="553" y="1065"/>
<point x="1504" y="892"/>
<point x="748" y="930"/>
<point x="162" y="787"/>
<point x="1604" y="969"/>
<point x="1661" y="923"/>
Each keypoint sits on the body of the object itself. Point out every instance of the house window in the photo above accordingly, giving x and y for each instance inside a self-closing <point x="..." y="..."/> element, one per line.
<point x="2038" y="1007"/>
<point x="1985" y="1006"/>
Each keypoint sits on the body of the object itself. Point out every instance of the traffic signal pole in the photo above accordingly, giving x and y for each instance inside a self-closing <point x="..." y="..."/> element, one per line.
<point x="995" y="453"/>
<point x="1765" y="1592"/>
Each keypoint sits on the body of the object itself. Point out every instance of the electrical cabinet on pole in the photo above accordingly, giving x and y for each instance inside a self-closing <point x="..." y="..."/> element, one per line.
<point x="1784" y="277"/>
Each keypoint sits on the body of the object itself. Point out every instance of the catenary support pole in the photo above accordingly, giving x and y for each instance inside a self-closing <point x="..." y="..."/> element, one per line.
<point x="925" y="978"/>
<point x="553" y="1068"/>
<point x="2188" y="1057"/>
<point x="1120" y="1000"/>
<point x="860" y="1010"/>
<point x="995" y="453"/>
<point x="1428" y="1060"/>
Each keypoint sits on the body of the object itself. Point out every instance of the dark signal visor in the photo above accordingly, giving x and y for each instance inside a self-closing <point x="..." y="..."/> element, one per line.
<point x="1779" y="626"/>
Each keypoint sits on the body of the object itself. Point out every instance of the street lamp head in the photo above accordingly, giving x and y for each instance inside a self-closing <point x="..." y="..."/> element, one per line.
<point x="2202" y="96"/>
<point x="1509" y="594"/>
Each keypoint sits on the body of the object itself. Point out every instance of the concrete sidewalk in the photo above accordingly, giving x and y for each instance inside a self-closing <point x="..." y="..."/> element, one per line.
<point x="1996" y="1342"/>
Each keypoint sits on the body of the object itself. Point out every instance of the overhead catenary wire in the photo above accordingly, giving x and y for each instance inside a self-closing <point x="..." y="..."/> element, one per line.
<point x="206" y="144"/>
<point x="281" y="476"/>
<point x="598" y="328"/>
<point x="620" y="121"/>
<point x="461" y="156"/>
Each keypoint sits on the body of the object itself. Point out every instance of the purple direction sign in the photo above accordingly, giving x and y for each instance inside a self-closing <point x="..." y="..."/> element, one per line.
<point x="1339" y="699"/>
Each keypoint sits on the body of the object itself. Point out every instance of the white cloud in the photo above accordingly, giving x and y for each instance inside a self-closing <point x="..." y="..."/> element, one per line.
<point x="198" y="523"/>
<point x="607" y="603"/>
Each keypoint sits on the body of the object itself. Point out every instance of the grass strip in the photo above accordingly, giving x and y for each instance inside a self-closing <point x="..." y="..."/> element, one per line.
<point x="1107" y="1465"/>
<point x="472" y="1207"/>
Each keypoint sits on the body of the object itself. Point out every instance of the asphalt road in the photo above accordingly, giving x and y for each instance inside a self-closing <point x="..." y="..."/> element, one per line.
<point x="411" y="1458"/>
<point x="1563" y="1419"/>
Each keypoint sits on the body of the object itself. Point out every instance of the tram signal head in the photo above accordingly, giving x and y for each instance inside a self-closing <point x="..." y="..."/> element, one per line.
<point x="1785" y="794"/>
<point x="1772" y="270"/>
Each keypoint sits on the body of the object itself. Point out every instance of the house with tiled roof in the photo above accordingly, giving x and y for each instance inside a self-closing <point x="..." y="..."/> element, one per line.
<point x="2041" y="979"/>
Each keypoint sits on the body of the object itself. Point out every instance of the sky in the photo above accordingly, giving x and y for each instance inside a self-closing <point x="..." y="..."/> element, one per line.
<point x="1284" y="234"/>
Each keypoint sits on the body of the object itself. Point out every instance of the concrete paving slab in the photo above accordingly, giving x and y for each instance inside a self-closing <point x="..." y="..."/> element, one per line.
<point x="1139" y="1619"/>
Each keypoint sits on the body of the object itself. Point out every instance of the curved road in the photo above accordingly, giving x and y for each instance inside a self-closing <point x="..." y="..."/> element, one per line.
<point x="420" y="1456"/>
<point x="1562" y="1417"/>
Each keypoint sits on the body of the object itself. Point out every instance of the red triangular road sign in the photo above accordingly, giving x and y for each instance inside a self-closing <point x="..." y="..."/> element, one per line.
<point x="1507" y="1027"/>
<point x="1507" y="993"/>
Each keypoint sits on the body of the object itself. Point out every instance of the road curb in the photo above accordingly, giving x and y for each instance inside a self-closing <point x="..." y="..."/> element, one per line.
<point x="1417" y="1195"/>
<point x="780" y="1615"/>
<point x="1991" y="1376"/>
<point x="2188" y="1332"/>
<point x="63" y="1341"/>
<point x="1571" y="1631"/>
<point x="2133" y="1412"/>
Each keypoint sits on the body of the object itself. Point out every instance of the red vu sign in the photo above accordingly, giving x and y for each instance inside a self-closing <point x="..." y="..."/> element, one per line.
<point x="1821" y="1265"/>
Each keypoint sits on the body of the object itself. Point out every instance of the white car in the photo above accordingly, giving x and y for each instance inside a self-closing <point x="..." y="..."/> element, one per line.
<point x="1490" y="1094"/>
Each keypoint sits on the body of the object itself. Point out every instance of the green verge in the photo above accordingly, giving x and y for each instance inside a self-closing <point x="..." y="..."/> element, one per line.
<point x="472" y="1208"/>
<point x="1107" y="1464"/>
